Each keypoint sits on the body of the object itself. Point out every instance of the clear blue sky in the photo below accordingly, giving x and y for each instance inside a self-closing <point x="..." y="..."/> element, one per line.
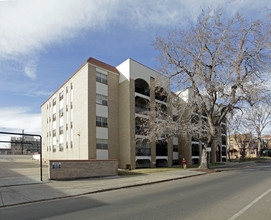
<point x="42" y="43"/>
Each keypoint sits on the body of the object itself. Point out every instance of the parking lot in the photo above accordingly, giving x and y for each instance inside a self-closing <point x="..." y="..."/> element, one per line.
<point x="20" y="169"/>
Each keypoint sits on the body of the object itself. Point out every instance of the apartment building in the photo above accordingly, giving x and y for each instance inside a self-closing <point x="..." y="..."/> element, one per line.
<point x="96" y="114"/>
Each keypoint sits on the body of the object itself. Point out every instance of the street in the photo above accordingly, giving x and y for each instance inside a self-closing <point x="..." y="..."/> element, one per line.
<point x="241" y="193"/>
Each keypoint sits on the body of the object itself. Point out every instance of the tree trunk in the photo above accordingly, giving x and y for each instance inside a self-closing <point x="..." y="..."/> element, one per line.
<point x="259" y="149"/>
<point x="204" y="159"/>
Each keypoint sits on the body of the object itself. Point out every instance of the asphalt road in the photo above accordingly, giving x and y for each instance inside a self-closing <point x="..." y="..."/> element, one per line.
<point x="241" y="193"/>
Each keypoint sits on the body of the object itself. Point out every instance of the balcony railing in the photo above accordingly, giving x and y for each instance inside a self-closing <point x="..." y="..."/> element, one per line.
<point x="143" y="151"/>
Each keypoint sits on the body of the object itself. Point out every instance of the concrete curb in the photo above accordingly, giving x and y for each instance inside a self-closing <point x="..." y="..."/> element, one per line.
<point x="103" y="190"/>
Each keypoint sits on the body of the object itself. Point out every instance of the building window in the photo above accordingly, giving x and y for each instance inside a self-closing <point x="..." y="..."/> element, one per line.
<point x="67" y="144"/>
<point x="61" y="113"/>
<point x="49" y="133"/>
<point x="54" y="117"/>
<point x="175" y="148"/>
<point x="54" y="148"/>
<point x="102" y="144"/>
<point x="100" y="77"/>
<point x="195" y="150"/>
<point x="54" y="132"/>
<point x="49" y="104"/>
<point x="67" y="126"/>
<point x="101" y="121"/>
<point x="71" y="144"/>
<point x="224" y="140"/>
<point x="67" y="89"/>
<point x="60" y="147"/>
<point x="54" y="101"/>
<point x="61" y="130"/>
<point x="71" y="86"/>
<point x="71" y="105"/>
<point x="67" y="108"/>
<point x="61" y="96"/>
<point x="49" y="119"/>
<point x="101" y="99"/>
<point x="71" y="125"/>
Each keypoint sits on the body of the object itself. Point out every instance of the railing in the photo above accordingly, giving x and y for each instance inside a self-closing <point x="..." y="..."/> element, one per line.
<point x="143" y="151"/>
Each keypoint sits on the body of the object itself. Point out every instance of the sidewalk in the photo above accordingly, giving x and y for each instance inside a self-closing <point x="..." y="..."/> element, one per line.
<point x="21" y="194"/>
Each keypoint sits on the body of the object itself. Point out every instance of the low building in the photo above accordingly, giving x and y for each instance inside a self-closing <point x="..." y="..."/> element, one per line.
<point x="25" y="145"/>
<point x="242" y="145"/>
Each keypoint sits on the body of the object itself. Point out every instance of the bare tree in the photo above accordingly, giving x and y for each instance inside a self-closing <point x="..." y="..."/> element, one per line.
<point x="256" y="120"/>
<point x="224" y="62"/>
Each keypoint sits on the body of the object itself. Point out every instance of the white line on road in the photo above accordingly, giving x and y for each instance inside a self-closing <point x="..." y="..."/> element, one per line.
<point x="249" y="205"/>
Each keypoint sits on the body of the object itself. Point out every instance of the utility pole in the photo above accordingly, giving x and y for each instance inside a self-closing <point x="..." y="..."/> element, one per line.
<point x="22" y="142"/>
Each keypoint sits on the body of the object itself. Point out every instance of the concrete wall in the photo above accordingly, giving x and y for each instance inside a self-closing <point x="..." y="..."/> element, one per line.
<point x="74" y="169"/>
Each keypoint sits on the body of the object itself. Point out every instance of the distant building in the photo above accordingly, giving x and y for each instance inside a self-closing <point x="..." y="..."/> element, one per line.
<point x="242" y="145"/>
<point x="5" y="151"/>
<point x="26" y="145"/>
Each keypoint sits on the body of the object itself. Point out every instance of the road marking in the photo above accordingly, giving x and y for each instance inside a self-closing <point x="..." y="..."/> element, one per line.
<point x="249" y="205"/>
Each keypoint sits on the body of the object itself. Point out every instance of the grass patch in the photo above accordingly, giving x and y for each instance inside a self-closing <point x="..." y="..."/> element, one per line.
<point x="245" y="160"/>
<point x="146" y="171"/>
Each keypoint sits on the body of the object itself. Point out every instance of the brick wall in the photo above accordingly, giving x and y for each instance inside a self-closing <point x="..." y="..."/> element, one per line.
<point x="75" y="169"/>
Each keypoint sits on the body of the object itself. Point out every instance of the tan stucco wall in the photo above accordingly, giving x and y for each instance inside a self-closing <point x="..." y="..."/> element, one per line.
<point x="91" y="119"/>
<point x="124" y="124"/>
<point x="113" y="116"/>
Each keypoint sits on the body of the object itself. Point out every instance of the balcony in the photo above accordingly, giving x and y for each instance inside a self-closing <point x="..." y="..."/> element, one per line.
<point x="142" y="87"/>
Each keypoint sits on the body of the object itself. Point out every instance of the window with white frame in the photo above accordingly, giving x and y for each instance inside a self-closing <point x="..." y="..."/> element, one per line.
<point x="100" y="77"/>
<point x="54" y="117"/>
<point x="54" y="132"/>
<point x="101" y="99"/>
<point x="61" y="96"/>
<point x="54" y="101"/>
<point x="61" y="130"/>
<point x="60" y="147"/>
<point x="101" y="121"/>
<point x="102" y="144"/>
<point x="61" y="113"/>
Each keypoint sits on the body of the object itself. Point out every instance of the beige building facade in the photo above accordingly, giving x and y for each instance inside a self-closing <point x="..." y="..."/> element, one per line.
<point x="96" y="114"/>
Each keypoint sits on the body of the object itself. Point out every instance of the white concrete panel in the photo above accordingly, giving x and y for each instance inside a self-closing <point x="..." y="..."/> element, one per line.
<point x="71" y="95"/>
<point x="71" y="115"/>
<point x="67" y="98"/>
<point x="54" y="125"/>
<point x="102" y="110"/>
<point x="71" y="134"/>
<point x="54" y="140"/>
<point x="124" y="69"/>
<point x="101" y="71"/>
<point x="175" y="141"/>
<point x="54" y="109"/>
<point x="61" y="139"/>
<point x="67" y="138"/>
<point x="61" y="104"/>
<point x="61" y="122"/>
<point x="101" y="154"/>
<point x="175" y="156"/>
<point x="101" y="89"/>
<point x="101" y="133"/>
